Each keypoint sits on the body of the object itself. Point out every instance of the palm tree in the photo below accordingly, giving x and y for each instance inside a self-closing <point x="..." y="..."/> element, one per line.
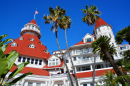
<point x="123" y="34"/>
<point x="54" y="17"/>
<point x="106" y="51"/>
<point x="109" y="79"/>
<point x="91" y="15"/>
<point x="65" y="23"/>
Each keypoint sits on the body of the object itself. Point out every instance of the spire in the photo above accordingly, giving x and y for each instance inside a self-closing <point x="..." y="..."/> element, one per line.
<point x="100" y="22"/>
<point x="33" y="22"/>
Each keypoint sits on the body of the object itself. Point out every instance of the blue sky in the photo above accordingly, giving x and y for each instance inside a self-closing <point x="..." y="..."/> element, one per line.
<point x="14" y="14"/>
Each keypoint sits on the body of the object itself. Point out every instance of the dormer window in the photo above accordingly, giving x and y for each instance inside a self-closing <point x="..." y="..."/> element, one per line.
<point x="88" y="40"/>
<point x="13" y="44"/>
<point x="40" y="42"/>
<point x="31" y="45"/>
<point x="31" y="39"/>
<point x="53" y="62"/>
<point x="21" y="38"/>
<point x="46" y="51"/>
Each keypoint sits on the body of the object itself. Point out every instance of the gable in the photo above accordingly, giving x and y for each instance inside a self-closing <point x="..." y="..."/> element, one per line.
<point x="88" y="38"/>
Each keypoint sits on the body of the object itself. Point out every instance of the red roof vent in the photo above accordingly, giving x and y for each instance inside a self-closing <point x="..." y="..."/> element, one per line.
<point x="33" y="21"/>
<point x="100" y="22"/>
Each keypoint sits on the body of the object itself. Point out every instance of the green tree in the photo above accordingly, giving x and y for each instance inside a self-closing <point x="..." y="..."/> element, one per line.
<point x="106" y="51"/>
<point x="123" y="34"/>
<point x="54" y="17"/>
<point x="64" y="24"/>
<point x="109" y="79"/>
<point x="91" y="15"/>
<point x="6" y="63"/>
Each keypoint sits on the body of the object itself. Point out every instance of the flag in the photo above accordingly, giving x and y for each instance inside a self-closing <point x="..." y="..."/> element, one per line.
<point x="36" y="12"/>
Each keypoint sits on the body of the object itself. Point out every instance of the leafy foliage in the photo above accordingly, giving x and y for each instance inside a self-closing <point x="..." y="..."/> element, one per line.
<point x="6" y="63"/>
<point x="91" y="14"/>
<point x="101" y="44"/>
<point x="123" y="34"/>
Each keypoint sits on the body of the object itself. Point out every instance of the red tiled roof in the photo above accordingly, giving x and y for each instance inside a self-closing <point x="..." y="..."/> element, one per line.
<point x="48" y="67"/>
<point x="90" y="73"/>
<point x="81" y="42"/>
<point x="33" y="21"/>
<point x="23" y="49"/>
<point x="35" y="71"/>
<point x="100" y="22"/>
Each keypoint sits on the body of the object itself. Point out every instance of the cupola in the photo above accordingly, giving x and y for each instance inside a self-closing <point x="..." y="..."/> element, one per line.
<point x="32" y="28"/>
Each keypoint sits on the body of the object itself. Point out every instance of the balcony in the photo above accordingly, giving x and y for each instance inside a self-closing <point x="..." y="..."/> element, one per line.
<point x="35" y="29"/>
<point x="82" y="51"/>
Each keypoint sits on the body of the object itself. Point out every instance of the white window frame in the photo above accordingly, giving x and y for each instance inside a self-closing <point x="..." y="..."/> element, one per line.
<point x="31" y="45"/>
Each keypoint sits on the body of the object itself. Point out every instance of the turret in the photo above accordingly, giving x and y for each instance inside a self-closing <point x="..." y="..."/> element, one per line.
<point x="102" y="28"/>
<point x="32" y="28"/>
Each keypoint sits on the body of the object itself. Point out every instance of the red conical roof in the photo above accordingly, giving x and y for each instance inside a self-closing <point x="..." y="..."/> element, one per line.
<point x="23" y="49"/>
<point x="100" y="22"/>
<point x="33" y="22"/>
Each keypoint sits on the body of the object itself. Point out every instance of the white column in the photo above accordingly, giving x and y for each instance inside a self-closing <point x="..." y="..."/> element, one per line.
<point x="64" y="82"/>
<point x="52" y="84"/>
<point x="46" y="83"/>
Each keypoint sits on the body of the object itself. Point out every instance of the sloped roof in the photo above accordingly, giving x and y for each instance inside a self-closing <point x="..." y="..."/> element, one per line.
<point x="33" y="22"/>
<point x="100" y="22"/>
<point x="50" y="67"/>
<point x="23" y="49"/>
<point x="35" y="71"/>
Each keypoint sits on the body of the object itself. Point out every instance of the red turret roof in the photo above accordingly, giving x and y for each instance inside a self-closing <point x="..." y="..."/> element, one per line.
<point x="23" y="49"/>
<point x="100" y="22"/>
<point x="33" y="22"/>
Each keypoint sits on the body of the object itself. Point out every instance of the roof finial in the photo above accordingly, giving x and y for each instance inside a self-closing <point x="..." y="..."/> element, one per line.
<point x="36" y="12"/>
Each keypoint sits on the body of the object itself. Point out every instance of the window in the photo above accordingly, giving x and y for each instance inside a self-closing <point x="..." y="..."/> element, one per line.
<point x="32" y="61"/>
<point x="40" y="42"/>
<point x="46" y="51"/>
<point x="32" y="46"/>
<point x="21" y="38"/>
<point x="67" y="61"/>
<point x="110" y="35"/>
<point x="78" y="68"/>
<point x="84" y="84"/>
<point x="38" y="84"/>
<point x="88" y="40"/>
<point x="74" y="58"/>
<point x="36" y="61"/>
<point x="13" y="44"/>
<point x="99" y="66"/>
<point x="85" y="68"/>
<point x="19" y="59"/>
<point x="24" y="58"/>
<point x="40" y="62"/>
<point x="31" y="39"/>
<point x="30" y="84"/>
<point x="53" y="62"/>
<point x="28" y="59"/>
<point x="122" y="48"/>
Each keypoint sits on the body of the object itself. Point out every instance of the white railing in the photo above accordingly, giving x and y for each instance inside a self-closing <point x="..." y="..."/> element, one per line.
<point x="31" y="29"/>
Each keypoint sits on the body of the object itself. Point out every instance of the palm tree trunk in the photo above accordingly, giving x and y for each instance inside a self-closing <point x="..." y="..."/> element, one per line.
<point x="115" y="67"/>
<point x="76" y="80"/>
<point x="71" y="82"/>
<point x="94" y="73"/>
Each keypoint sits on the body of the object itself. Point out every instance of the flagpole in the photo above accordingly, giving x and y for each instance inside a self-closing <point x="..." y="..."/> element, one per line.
<point x="34" y="16"/>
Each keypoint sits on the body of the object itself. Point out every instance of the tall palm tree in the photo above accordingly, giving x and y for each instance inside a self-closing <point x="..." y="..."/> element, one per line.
<point x="65" y="23"/>
<point x="54" y="17"/>
<point x="123" y="34"/>
<point x="106" y="51"/>
<point x="91" y="15"/>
